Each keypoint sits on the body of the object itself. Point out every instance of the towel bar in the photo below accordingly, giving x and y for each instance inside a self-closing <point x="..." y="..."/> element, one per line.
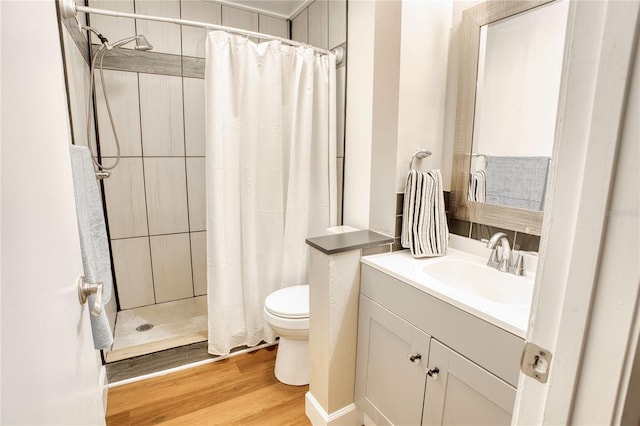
<point x="421" y="153"/>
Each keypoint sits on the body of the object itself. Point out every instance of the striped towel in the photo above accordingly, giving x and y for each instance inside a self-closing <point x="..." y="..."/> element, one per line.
<point x="424" y="224"/>
<point x="477" y="186"/>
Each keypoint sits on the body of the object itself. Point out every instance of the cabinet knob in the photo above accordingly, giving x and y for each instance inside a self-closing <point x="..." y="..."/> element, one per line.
<point x="433" y="373"/>
<point x="415" y="358"/>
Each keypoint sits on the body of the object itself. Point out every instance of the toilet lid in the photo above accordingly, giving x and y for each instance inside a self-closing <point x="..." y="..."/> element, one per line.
<point x="289" y="302"/>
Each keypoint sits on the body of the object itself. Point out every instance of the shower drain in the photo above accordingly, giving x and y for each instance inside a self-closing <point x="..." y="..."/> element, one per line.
<point x="144" y="327"/>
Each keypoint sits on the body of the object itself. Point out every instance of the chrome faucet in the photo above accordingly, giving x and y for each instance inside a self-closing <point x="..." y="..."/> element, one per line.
<point x="505" y="263"/>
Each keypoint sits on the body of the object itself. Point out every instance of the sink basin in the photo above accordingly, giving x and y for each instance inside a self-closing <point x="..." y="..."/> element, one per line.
<point x="463" y="279"/>
<point x="481" y="281"/>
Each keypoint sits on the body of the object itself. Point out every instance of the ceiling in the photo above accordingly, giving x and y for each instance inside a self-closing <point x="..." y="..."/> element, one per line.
<point x="280" y="8"/>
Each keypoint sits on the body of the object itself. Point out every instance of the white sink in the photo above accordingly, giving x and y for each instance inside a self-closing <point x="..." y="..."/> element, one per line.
<point x="464" y="280"/>
<point x="480" y="280"/>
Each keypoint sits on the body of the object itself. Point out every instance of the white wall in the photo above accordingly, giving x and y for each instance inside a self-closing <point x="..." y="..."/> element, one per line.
<point x="426" y="28"/>
<point x="358" y="131"/>
<point x="384" y="131"/>
<point x="396" y="94"/>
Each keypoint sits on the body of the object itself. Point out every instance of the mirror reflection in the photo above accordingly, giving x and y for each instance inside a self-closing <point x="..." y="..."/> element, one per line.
<point x="519" y="69"/>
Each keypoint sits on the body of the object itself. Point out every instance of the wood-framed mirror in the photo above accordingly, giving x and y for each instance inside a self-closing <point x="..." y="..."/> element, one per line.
<point x="508" y="89"/>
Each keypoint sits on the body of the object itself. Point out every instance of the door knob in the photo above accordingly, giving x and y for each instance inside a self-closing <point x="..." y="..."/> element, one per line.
<point x="415" y="358"/>
<point x="433" y="373"/>
<point x="86" y="289"/>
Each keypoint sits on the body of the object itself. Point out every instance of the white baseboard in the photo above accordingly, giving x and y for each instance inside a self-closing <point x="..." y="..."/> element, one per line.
<point x="104" y="384"/>
<point x="346" y="416"/>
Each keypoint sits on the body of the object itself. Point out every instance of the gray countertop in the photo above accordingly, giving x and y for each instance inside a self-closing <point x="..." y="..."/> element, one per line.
<point x="347" y="241"/>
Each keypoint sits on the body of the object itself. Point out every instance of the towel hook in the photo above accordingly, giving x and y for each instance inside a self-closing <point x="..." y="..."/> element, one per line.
<point x="421" y="153"/>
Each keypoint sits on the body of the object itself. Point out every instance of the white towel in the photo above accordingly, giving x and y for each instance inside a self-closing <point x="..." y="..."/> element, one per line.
<point x="424" y="224"/>
<point x="96" y="261"/>
<point x="477" y="186"/>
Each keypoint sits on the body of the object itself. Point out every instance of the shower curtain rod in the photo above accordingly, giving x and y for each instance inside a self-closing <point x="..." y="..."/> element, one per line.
<point x="69" y="9"/>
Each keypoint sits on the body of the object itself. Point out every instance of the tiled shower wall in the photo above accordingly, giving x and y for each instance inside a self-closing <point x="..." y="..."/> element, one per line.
<point x="324" y="24"/>
<point x="77" y="75"/>
<point x="155" y="196"/>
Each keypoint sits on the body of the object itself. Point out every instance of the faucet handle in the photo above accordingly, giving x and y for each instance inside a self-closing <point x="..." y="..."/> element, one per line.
<point x="505" y="264"/>
<point x="518" y="266"/>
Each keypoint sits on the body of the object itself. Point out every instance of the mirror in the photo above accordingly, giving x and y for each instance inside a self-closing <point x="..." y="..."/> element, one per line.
<point x="508" y="90"/>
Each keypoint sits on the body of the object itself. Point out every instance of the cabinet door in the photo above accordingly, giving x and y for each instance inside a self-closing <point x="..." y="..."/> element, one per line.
<point x="389" y="386"/>
<point x="464" y="393"/>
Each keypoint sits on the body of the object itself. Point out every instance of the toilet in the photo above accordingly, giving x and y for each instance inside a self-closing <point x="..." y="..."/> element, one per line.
<point x="287" y="313"/>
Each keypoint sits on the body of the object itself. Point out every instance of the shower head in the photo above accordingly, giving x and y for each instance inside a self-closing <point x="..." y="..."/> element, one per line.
<point x="142" y="43"/>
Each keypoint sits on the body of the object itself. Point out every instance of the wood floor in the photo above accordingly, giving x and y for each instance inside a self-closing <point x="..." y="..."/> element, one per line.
<point x="241" y="390"/>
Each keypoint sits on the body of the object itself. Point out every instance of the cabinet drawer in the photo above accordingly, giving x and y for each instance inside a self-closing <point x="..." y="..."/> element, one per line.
<point x="491" y="347"/>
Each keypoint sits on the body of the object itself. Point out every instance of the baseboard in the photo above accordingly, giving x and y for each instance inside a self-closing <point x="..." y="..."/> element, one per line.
<point x="346" y="416"/>
<point x="104" y="384"/>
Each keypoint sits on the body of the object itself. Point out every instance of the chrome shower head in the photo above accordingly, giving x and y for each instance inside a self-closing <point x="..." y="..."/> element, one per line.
<point x="142" y="43"/>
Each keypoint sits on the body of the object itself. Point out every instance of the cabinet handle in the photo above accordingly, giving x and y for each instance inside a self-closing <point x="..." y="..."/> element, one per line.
<point x="415" y="358"/>
<point x="433" y="373"/>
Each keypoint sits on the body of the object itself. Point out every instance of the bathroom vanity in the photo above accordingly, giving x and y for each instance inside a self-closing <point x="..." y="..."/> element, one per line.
<point x="439" y="349"/>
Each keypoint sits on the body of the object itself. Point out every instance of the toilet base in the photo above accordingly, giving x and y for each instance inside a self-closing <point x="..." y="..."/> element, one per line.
<point x="292" y="362"/>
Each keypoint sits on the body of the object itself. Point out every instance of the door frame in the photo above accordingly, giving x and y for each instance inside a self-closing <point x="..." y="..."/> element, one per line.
<point x="600" y="52"/>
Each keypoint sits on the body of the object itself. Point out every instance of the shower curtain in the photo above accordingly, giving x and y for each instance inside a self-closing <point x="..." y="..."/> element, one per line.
<point x="270" y="176"/>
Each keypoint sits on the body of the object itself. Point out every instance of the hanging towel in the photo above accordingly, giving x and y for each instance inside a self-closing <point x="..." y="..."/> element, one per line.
<point x="424" y="224"/>
<point x="517" y="181"/>
<point x="477" y="186"/>
<point x="93" y="239"/>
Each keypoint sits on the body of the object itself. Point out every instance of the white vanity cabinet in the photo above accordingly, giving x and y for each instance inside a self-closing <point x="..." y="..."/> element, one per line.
<point x="464" y="393"/>
<point x="476" y="362"/>
<point x="390" y="385"/>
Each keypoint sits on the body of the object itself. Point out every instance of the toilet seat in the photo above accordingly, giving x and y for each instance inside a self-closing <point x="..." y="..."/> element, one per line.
<point x="289" y="302"/>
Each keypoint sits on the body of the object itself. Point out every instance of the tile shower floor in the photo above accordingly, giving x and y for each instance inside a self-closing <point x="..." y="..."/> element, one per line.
<point x="177" y="323"/>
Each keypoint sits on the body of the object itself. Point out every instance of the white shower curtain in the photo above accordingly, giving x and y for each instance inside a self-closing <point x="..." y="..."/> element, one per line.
<point x="270" y="176"/>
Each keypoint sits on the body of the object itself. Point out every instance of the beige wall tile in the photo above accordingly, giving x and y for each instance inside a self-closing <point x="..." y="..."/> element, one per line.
<point x="78" y="75"/>
<point x="194" y="125"/>
<point x="132" y="261"/>
<point x="166" y="189"/>
<point x="111" y="27"/>
<point x="164" y="37"/>
<point x="299" y="27"/>
<point x="161" y="112"/>
<point x="193" y="39"/>
<point x="273" y="26"/>
<point x="319" y="24"/>
<point x="125" y="197"/>
<point x="171" y="260"/>
<point x="238" y="18"/>
<point x="196" y="181"/>
<point x="199" y="262"/>
<point x="337" y="22"/>
<point x="122" y="90"/>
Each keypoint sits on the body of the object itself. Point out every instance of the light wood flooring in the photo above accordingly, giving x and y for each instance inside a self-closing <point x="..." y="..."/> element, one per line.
<point x="240" y="390"/>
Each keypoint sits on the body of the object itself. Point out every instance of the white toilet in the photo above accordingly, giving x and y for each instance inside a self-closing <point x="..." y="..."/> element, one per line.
<point x="287" y="313"/>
